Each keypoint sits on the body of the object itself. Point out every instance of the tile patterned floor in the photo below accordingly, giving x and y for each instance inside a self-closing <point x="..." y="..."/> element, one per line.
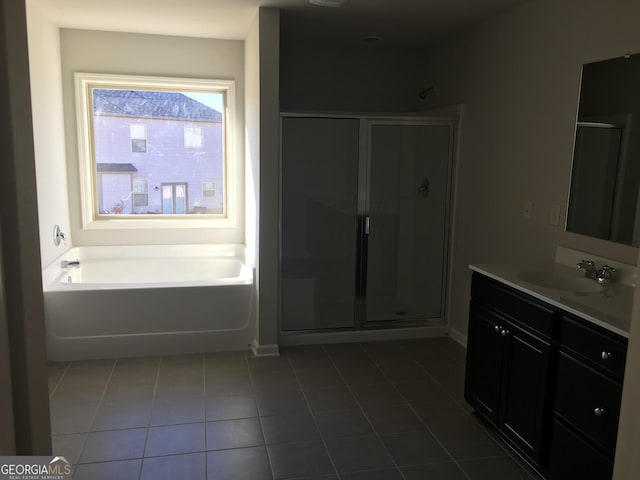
<point x="361" y="411"/>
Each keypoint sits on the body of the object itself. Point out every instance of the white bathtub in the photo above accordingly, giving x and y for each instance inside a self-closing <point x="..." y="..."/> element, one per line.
<point x="127" y="301"/>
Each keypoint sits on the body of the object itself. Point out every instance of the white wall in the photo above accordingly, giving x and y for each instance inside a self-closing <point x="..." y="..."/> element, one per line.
<point x="268" y="237"/>
<point x="357" y="79"/>
<point x="252" y="153"/>
<point x="48" y="131"/>
<point x="627" y="464"/>
<point x="519" y="76"/>
<point x="252" y="138"/>
<point x="263" y="171"/>
<point x="127" y="53"/>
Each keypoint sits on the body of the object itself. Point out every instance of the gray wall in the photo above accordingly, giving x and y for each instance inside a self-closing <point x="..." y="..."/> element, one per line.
<point x="21" y="298"/>
<point x="519" y="77"/>
<point x="334" y="78"/>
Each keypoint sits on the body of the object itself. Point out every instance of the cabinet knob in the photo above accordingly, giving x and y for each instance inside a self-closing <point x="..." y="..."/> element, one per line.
<point x="607" y="355"/>
<point x="599" y="412"/>
<point x="504" y="332"/>
<point x="496" y="328"/>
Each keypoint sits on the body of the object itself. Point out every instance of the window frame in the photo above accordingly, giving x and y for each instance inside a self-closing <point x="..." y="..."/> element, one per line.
<point x="190" y="148"/>
<point x="231" y="164"/>
<point x="143" y="127"/>
<point x="212" y="189"/>
<point x="134" y="193"/>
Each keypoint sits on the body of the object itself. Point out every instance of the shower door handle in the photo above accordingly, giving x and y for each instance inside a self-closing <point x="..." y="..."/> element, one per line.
<point x="362" y="248"/>
<point x="423" y="190"/>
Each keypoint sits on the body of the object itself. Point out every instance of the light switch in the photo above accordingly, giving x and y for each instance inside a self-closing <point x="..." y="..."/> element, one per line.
<point x="554" y="215"/>
<point x="527" y="208"/>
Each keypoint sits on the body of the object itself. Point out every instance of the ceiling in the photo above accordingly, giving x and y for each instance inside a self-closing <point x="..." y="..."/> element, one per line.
<point x="395" y="22"/>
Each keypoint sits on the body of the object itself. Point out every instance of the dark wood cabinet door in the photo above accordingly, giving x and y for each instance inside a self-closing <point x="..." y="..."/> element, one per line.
<point x="484" y="361"/>
<point x="572" y="458"/>
<point x="524" y="413"/>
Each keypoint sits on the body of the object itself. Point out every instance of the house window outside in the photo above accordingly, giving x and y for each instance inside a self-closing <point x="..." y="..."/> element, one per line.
<point x="182" y="126"/>
<point x="193" y="138"/>
<point x="209" y="189"/>
<point x="138" y="137"/>
<point x="140" y="192"/>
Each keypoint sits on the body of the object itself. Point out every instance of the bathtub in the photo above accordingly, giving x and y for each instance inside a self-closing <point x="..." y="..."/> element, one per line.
<point x="126" y="301"/>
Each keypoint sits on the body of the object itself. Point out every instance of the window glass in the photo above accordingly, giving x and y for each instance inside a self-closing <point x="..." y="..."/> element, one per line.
<point x="209" y="189"/>
<point x="138" y="136"/>
<point x="182" y="136"/>
<point x="193" y="137"/>
<point x="140" y="192"/>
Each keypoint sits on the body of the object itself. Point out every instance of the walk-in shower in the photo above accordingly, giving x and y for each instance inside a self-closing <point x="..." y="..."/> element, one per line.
<point x="364" y="221"/>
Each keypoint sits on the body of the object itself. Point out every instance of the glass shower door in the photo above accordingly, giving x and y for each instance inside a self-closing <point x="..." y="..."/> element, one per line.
<point x="319" y="222"/>
<point x="408" y="178"/>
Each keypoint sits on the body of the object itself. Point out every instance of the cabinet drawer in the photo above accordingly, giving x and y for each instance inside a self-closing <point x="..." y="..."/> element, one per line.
<point x="594" y="346"/>
<point x="517" y="306"/>
<point x="581" y="390"/>
<point x="572" y="458"/>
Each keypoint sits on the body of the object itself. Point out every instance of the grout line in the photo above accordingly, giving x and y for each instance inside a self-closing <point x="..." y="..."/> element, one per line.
<point x="153" y="399"/>
<point x="408" y="404"/>
<point x="95" y="414"/>
<point x="313" y="417"/>
<point x="255" y="399"/>
<point x="64" y="373"/>
<point x="479" y="425"/>
<point x="446" y="450"/>
<point x="349" y="387"/>
<point x="204" y="405"/>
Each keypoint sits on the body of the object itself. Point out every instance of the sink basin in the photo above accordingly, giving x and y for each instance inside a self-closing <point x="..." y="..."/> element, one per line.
<point x="560" y="281"/>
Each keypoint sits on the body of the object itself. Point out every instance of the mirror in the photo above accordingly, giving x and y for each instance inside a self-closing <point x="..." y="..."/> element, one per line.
<point x="603" y="199"/>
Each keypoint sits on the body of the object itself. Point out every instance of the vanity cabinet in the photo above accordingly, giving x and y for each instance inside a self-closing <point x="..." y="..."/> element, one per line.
<point x="587" y="400"/>
<point x="549" y="382"/>
<point x="508" y="363"/>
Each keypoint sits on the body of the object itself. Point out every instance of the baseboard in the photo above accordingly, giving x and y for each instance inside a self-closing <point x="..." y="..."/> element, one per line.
<point x="299" y="338"/>
<point x="458" y="337"/>
<point x="271" y="350"/>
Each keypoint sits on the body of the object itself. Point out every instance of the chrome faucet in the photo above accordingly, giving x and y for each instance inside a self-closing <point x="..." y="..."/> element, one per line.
<point x="590" y="270"/>
<point x="602" y="275"/>
<point x="70" y="263"/>
<point x="605" y="275"/>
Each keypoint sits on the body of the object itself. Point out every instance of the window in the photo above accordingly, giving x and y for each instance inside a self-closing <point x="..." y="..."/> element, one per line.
<point x="193" y="138"/>
<point x="183" y="128"/>
<point x="209" y="189"/>
<point x="138" y="136"/>
<point x="140" y="192"/>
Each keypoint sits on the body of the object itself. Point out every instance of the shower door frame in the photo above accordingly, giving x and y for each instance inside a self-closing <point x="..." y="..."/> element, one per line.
<point x="366" y="122"/>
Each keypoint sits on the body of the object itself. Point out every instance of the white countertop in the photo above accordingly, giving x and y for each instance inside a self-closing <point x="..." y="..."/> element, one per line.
<point x="609" y="308"/>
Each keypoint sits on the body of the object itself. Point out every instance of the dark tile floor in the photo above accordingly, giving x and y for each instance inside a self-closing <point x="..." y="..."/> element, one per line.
<point x="374" y="411"/>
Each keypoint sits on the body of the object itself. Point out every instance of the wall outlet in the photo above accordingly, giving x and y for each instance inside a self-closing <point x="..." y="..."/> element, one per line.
<point x="554" y="215"/>
<point x="527" y="209"/>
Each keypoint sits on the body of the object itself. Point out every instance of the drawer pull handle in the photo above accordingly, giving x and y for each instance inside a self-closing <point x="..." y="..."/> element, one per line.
<point x="599" y="412"/>
<point x="496" y="328"/>
<point x="607" y="355"/>
<point x="504" y="332"/>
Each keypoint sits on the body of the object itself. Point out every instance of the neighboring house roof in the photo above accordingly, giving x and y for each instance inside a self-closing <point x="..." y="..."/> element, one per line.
<point x="150" y="104"/>
<point x="116" y="167"/>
